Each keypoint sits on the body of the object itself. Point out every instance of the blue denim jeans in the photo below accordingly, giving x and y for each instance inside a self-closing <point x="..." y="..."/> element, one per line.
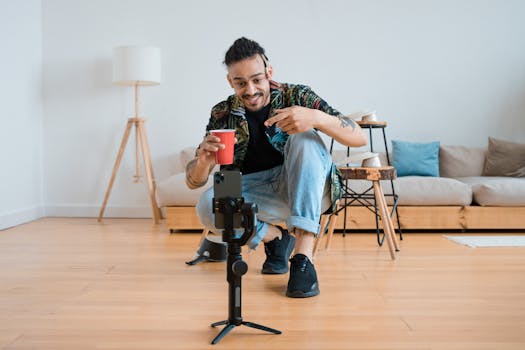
<point x="296" y="192"/>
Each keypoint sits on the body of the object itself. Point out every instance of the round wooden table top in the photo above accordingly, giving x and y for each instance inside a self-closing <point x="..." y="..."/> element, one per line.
<point x="371" y="124"/>
<point x="366" y="173"/>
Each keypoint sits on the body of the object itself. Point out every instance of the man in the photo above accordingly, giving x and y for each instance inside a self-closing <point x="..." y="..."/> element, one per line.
<point x="286" y="168"/>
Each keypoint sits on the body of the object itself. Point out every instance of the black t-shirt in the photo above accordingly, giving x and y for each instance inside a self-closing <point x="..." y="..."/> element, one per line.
<point x="261" y="155"/>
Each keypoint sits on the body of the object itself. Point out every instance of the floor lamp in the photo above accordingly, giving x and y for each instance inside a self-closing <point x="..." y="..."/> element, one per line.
<point x="136" y="66"/>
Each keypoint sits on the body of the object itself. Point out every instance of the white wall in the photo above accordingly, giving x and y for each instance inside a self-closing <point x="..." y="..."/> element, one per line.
<point x="21" y="111"/>
<point x="435" y="70"/>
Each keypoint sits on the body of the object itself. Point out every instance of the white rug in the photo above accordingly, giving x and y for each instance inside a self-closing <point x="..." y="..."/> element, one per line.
<point x="489" y="241"/>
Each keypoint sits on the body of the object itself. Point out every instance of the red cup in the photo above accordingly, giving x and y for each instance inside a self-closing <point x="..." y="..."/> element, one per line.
<point x="225" y="156"/>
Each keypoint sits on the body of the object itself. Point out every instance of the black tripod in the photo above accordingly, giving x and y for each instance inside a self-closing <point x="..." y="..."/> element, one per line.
<point x="236" y="267"/>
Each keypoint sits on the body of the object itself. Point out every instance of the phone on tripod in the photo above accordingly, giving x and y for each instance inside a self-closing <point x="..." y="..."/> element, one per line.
<point x="227" y="184"/>
<point x="231" y="211"/>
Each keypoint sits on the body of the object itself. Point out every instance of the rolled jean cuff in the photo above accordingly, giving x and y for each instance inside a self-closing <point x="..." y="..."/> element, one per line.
<point x="303" y="224"/>
<point x="258" y="234"/>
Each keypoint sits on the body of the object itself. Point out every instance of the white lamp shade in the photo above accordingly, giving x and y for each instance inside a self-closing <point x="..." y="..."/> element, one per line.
<point x="136" y="65"/>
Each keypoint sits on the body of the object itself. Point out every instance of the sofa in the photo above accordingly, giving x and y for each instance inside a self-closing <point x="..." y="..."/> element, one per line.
<point x="460" y="198"/>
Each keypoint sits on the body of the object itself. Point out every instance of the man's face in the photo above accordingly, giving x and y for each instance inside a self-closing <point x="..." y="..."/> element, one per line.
<point x="250" y="82"/>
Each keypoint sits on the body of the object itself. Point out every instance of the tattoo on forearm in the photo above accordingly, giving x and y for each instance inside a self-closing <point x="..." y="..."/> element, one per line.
<point x="346" y="121"/>
<point x="191" y="164"/>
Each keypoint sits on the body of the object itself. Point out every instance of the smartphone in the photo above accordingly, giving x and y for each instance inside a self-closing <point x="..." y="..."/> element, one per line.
<point x="227" y="184"/>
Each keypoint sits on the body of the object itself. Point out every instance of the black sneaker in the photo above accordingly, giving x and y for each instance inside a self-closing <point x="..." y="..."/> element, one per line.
<point x="277" y="253"/>
<point x="303" y="278"/>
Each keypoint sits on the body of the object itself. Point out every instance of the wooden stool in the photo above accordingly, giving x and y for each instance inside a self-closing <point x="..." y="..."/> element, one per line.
<point x="374" y="175"/>
<point x="326" y="228"/>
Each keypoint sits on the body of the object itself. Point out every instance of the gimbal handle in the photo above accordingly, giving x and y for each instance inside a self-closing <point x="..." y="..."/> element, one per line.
<point x="228" y="206"/>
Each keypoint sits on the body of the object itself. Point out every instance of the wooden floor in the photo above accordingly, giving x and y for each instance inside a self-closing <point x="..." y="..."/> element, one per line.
<point x="76" y="284"/>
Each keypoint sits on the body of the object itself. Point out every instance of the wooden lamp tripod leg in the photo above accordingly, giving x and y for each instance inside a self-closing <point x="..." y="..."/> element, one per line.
<point x="117" y="165"/>
<point x="148" y="166"/>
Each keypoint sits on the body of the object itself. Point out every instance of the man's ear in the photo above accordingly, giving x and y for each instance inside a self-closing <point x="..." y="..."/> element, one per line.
<point x="269" y="72"/>
<point x="230" y="81"/>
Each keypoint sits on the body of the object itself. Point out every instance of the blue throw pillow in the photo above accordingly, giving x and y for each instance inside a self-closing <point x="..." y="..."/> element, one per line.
<point x="415" y="158"/>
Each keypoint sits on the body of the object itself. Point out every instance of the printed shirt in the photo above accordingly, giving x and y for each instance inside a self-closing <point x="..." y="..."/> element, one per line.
<point x="231" y="114"/>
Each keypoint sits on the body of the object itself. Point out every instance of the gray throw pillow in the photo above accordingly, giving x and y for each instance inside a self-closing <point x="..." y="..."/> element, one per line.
<point x="461" y="161"/>
<point x="505" y="158"/>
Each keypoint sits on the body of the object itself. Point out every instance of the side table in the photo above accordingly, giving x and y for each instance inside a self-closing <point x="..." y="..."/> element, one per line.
<point x="371" y="125"/>
<point x="374" y="175"/>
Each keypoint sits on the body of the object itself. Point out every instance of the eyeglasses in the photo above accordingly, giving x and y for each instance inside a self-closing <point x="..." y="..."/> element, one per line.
<point x="258" y="80"/>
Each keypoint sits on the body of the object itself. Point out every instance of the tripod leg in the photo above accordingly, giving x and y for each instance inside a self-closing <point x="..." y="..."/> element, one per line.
<point x="331" y="228"/>
<point x="261" y="327"/>
<point x="391" y="224"/>
<point x="220" y="323"/>
<point x="149" y="170"/>
<point x="137" y="175"/>
<point x="385" y="218"/>
<point x="115" y="168"/>
<point x="320" y="236"/>
<point x="222" y="333"/>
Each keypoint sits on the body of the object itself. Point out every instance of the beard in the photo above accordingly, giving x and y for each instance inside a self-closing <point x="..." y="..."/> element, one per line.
<point x="261" y="101"/>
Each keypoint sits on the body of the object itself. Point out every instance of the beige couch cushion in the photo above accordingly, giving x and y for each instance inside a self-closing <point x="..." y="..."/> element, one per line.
<point x="174" y="192"/>
<point x="421" y="190"/>
<point x="424" y="190"/>
<point x="497" y="191"/>
<point x="461" y="161"/>
<point x="186" y="155"/>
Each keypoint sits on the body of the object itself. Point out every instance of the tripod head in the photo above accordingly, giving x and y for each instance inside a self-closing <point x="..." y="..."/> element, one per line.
<point x="230" y="209"/>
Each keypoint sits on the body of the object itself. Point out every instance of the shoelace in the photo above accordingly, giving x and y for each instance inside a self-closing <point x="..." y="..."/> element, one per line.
<point x="303" y="264"/>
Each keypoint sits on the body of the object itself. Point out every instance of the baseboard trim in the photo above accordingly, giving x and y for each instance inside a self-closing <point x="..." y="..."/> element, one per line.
<point x="18" y="217"/>
<point x="93" y="211"/>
